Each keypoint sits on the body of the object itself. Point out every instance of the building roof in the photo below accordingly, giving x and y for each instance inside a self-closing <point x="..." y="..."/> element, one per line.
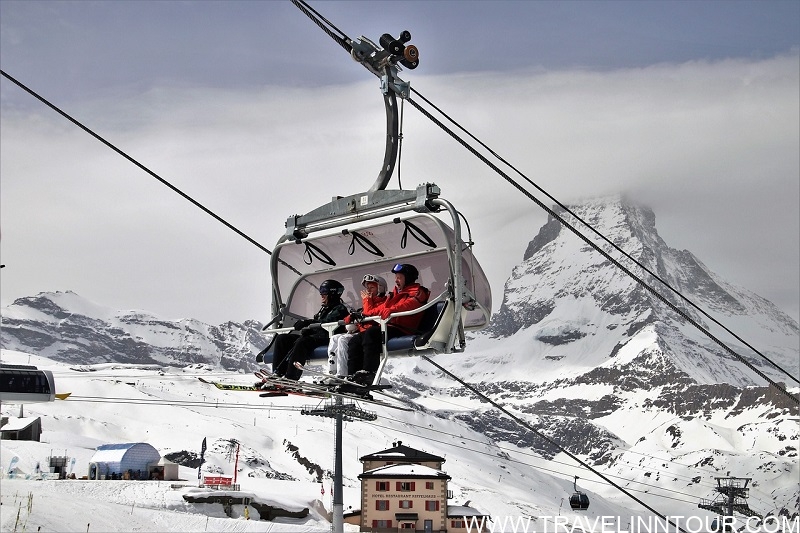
<point x="114" y="453"/>
<point x="18" y="424"/>
<point x="165" y="462"/>
<point x="404" y="471"/>
<point x="402" y="453"/>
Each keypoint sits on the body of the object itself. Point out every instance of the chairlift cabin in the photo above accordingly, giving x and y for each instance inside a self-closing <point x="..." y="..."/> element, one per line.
<point x="369" y="233"/>
<point x="26" y="384"/>
<point x="579" y="501"/>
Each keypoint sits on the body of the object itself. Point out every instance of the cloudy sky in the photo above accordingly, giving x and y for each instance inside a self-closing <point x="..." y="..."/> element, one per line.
<point x="688" y="107"/>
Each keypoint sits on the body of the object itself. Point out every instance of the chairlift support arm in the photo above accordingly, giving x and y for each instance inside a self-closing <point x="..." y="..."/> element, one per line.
<point x="383" y="63"/>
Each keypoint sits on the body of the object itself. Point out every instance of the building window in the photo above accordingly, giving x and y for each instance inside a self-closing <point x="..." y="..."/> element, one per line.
<point x="381" y="505"/>
<point x="429" y="485"/>
<point x="382" y="485"/>
<point x="405" y="486"/>
<point x="406" y="504"/>
<point x="407" y="525"/>
<point x="432" y="505"/>
<point x="456" y="523"/>
<point x="382" y="523"/>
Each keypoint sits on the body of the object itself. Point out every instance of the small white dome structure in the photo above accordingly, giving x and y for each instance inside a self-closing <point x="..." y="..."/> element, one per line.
<point x="118" y="461"/>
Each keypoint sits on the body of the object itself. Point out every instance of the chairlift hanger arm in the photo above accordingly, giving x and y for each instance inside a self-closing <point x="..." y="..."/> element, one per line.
<point x="392" y="140"/>
<point x="383" y="63"/>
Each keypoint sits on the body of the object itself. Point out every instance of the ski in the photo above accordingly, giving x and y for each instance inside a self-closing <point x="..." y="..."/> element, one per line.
<point x="272" y="379"/>
<point x="280" y="389"/>
<point x="370" y="400"/>
<point x="359" y="393"/>
<point x="353" y="390"/>
<point x="340" y="381"/>
<point x="278" y="386"/>
<point x="275" y="389"/>
<point x="273" y="394"/>
<point x="231" y="386"/>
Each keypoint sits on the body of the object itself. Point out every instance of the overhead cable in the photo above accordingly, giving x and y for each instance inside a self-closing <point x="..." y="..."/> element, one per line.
<point x="595" y="231"/>
<point x="322" y="22"/>
<point x="547" y="439"/>
<point x="144" y="168"/>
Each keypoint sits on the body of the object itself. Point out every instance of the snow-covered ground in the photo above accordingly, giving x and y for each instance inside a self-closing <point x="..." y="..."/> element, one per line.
<point x="172" y="410"/>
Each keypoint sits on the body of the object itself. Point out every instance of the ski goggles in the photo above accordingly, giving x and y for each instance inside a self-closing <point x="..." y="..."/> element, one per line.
<point x="324" y="290"/>
<point x="399" y="267"/>
<point x="369" y="278"/>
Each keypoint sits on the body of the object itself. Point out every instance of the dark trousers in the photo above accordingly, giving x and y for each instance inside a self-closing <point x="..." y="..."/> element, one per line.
<point x="291" y="348"/>
<point x="365" y="349"/>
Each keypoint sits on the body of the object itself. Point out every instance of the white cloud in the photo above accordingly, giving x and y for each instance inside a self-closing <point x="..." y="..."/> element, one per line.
<point x="712" y="147"/>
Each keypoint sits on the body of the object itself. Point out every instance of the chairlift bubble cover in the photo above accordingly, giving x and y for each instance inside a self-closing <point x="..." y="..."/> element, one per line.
<point x="337" y="255"/>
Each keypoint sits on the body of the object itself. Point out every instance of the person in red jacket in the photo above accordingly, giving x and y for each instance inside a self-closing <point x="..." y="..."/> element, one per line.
<point x="364" y="350"/>
<point x="373" y="295"/>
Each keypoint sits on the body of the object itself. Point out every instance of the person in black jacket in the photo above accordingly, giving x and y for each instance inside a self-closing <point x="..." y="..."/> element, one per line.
<point x="297" y="346"/>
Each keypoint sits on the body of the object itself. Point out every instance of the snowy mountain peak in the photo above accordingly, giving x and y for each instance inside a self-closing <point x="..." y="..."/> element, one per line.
<point x="571" y="300"/>
<point x="67" y="327"/>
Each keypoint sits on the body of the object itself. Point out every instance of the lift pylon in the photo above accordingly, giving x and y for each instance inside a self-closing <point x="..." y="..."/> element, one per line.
<point x="731" y="497"/>
<point x="339" y="411"/>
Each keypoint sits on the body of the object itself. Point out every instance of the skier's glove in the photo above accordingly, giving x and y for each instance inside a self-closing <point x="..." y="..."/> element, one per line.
<point x="300" y="324"/>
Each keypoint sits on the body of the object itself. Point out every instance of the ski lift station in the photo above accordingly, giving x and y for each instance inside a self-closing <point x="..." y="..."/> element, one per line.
<point x="133" y="460"/>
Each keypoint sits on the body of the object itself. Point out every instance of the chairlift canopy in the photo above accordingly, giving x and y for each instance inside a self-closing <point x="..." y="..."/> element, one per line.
<point x="348" y="254"/>
<point x="370" y="233"/>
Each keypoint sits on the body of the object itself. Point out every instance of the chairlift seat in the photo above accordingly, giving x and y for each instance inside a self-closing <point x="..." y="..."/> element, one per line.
<point x="407" y="344"/>
<point x="430" y="320"/>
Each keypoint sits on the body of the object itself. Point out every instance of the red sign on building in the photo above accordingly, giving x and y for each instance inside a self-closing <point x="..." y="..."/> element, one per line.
<point x="217" y="480"/>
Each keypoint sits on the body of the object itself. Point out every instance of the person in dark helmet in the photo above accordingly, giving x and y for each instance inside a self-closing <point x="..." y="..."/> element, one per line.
<point x="364" y="350"/>
<point x="296" y="347"/>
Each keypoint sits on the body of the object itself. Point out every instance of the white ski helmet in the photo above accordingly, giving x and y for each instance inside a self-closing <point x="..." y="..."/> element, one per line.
<point x="369" y="278"/>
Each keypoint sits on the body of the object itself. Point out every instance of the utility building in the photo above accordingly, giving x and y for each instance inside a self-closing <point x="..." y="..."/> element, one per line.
<point x="13" y="428"/>
<point x="405" y="489"/>
<point x="163" y="469"/>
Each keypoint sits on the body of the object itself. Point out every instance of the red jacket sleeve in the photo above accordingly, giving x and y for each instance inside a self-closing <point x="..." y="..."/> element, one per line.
<point x="411" y="297"/>
<point x="372" y="306"/>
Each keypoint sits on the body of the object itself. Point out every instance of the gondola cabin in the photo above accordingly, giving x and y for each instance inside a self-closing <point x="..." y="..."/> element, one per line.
<point x="369" y="234"/>
<point x="25" y="384"/>
<point x="579" y="501"/>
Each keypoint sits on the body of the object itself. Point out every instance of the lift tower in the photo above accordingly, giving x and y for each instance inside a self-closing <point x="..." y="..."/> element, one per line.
<point x="340" y="411"/>
<point x="731" y="496"/>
